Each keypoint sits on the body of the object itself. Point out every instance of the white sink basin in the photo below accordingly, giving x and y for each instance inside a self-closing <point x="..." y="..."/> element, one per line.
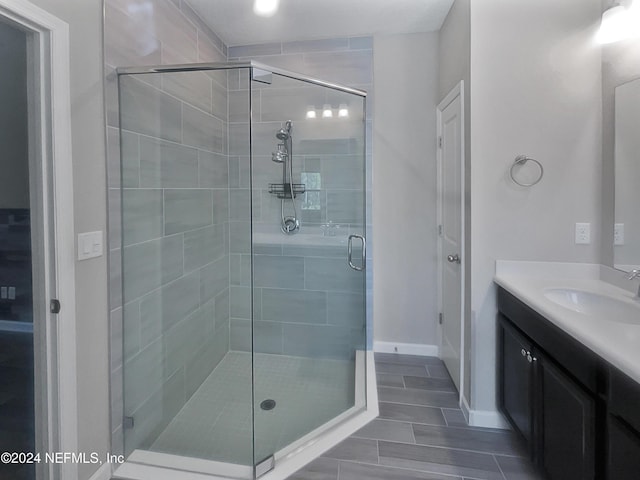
<point x="593" y="304"/>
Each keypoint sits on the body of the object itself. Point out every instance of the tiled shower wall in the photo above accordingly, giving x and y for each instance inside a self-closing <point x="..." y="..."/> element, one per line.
<point x="175" y="191"/>
<point x="313" y="275"/>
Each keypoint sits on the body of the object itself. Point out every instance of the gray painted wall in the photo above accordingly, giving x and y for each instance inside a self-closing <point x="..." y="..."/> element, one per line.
<point x="541" y="96"/>
<point x="404" y="188"/>
<point x="455" y="65"/>
<point x="14" y="161"/>
<point x="87" y="122"/>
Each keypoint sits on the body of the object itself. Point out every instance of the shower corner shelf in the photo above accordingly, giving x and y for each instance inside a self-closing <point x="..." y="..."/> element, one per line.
<point x="283" y="190"/>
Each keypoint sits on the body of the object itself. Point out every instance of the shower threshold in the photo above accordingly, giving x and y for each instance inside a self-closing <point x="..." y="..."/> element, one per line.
<point x="147" y="465"/>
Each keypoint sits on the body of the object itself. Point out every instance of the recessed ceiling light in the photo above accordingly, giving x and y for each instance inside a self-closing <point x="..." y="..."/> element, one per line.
<point x="311" y="111"/>
<point x="265" y="8"/>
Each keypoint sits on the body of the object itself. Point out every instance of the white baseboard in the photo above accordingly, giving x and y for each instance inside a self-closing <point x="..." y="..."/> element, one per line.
<point x="487" y="419"/>
<point x="464" y="406"/>
<point x="103" y="473"/>
<point x="407" y="349"/>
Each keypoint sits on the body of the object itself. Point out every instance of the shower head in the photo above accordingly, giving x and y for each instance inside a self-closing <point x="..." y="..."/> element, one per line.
<point x="285" y="132"/>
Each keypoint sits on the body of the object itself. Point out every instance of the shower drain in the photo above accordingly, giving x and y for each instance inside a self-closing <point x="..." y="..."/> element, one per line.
<point x="268" y="404"/>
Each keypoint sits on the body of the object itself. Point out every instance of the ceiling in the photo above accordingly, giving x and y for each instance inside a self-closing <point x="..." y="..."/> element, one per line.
<point x="236" y="24"/>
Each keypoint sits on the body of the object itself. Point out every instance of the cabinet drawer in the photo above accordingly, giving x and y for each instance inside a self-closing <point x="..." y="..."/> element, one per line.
<point x="574" y="357"/>
<point x="624" y="398"/>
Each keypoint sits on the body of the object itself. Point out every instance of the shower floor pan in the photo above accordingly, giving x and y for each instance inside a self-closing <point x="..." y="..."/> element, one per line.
<point x="211" y="436"/>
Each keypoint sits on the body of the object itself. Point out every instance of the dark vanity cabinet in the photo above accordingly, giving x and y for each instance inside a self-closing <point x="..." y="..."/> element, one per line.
<point x="549" y="391"/>
<point x="517" y="385"/>
<point x="623" y="427"/>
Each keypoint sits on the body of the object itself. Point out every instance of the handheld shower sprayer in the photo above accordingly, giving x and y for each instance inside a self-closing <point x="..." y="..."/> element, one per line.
<point x="283" y="155"/>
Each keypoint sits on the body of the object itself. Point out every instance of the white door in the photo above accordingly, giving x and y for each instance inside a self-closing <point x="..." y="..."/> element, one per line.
<point x="37" y="245"/>
<point x="451" y="230"/>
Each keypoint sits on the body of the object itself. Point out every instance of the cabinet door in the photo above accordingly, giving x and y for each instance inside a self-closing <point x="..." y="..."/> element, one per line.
<point x="516" y="379"/>
<point x="567" y="416"/>
<point x="624" y="452"/>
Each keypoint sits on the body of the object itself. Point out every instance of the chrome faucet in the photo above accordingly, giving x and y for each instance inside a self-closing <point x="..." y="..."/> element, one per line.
<point x="633" y="274"/>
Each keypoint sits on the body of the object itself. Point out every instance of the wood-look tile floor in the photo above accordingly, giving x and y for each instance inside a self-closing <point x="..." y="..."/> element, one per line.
<point x="420" y="434"/>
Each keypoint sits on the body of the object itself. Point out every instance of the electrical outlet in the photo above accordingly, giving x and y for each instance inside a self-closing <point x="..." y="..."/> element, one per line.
<point x="583" y="233"/>
<point x="618" y="234"/>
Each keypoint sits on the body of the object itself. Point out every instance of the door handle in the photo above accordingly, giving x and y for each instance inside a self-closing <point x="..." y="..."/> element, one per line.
<point x="364" y="253"/>
<point x="453" y="258"/>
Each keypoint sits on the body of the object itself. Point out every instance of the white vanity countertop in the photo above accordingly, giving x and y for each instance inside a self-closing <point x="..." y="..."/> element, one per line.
<point x="617" y="343"/>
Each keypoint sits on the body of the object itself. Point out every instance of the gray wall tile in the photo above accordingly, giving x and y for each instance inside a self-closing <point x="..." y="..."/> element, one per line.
<point x="202" y="130"/>
<point x="346" y="309"/>
<point x="184" y="338"/>
<point x="150" y="265"/>
<point x="213" y="170"/>
<point x="179" y="299"/>
<point x="130" y="157"/>
<point x="206" y="359"/>
<point x="220" y="199"/>
<point x="143" y="375"/>
<point x="345" y="206"/>
<point x="214" y="279"/>
<point x="147" y="110"/>
<point x="193" y="88"/>
<point x="294" y="306"/>
<point x="332" y="274"/>
<point x="187" y="210"/>
<point x="142" y="215"/>
<point x="253" y="50"/>
<point x="278" y="272"/>
<point x="240" y="237"/>
<point x="240" y="302"/>
<point x="323" y="45"/>
<point x="317" y="341"/>
<point x="167" y="165"/>
<point x="203" y="246"/>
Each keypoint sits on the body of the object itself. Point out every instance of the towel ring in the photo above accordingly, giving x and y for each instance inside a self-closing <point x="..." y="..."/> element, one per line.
<point x="521" y="160"/>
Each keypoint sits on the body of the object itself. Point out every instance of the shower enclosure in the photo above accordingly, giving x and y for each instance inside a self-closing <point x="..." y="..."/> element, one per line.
<point x="243" y="220"/>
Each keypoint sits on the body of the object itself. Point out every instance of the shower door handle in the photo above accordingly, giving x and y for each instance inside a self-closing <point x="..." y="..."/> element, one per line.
<point x="364" y="253"/>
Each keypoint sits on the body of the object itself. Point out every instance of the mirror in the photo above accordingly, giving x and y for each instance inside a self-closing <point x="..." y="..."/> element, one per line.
<point x="627" y="177"/>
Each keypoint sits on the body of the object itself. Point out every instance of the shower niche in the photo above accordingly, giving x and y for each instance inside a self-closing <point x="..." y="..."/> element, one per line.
<point x="243" y="223"/>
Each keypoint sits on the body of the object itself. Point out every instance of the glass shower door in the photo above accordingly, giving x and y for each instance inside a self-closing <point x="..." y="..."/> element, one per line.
<point x="187" y="389"/>
<point x="308" y="213"/>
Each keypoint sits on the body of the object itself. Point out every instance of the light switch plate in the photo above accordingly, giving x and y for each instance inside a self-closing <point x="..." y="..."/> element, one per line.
<point x="583" y="233"/>
<point x="90" y="245"/>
